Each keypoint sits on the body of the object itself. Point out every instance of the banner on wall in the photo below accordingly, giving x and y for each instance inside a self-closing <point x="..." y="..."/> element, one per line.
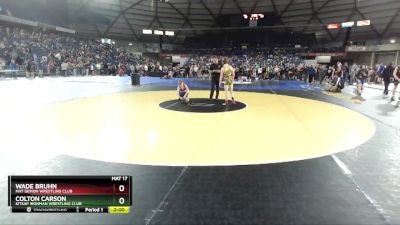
<point x="324" y="59"/>
<point x="176" y="59"/>
<point x="333" y="54"/>
<point x="356" y="48"/>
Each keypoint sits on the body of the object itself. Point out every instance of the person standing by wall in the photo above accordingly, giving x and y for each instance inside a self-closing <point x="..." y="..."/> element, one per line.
<point x="362" y="76"/>
<point x="98" y="68"/>
<point x="386" y="74"/>
<point x="371" y="74"/>
<point x="195" y="71"/>
<point x="64" y="68"/>
<point x="28" y="70"/>
<point x="380" y="70"/>
<point x="353" y="72"/>
<point x="13" y="68"/>
<point x="311" y="74"/>
<point x="40" y="67"/>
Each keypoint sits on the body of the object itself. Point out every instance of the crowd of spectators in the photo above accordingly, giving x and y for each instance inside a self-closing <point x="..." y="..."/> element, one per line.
<point x="37" y="52"/>
<point x="54" y="53"/>
<point x="262" y="64"/>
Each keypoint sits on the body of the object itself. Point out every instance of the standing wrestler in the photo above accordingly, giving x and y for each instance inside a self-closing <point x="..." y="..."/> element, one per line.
<point x="227" y="75"/>
<point x="396" y="75"/>
<point x="215" y="70"/>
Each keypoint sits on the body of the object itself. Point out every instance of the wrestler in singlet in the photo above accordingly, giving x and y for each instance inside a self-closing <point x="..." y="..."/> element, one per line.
<point x="227" y="76"/>
<point x="183" y="91"/>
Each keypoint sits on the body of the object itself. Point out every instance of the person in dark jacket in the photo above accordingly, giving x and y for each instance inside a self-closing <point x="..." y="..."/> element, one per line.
<point x="29" y="73"/>
<point x="387" y="73"/>
<point x="215" y="70"/>
<point x="311" y="74"/>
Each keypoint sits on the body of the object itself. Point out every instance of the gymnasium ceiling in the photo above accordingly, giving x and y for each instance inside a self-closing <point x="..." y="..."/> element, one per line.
<point x="126" y="18"/>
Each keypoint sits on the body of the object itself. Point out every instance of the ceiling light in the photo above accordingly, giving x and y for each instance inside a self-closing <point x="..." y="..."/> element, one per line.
<point x="158" y="32"/>
<point x="333" y="26"/>
<point x="348" y="24"/>
<point x="362" y="23"/>
<point x="169" y="33"/>
<point x="146" y="31"/>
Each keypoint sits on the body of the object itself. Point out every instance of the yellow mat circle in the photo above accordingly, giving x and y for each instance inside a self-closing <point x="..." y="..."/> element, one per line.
<point x="132" y="128"/>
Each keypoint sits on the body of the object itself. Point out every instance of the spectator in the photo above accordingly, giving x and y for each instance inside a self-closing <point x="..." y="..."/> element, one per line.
<point x="361" y="78"/>
<point x="386" y="75"/>
<point x="353" y="72"/>
<point x="64" y="68"/>
<point x="371" y="75"/>
<point x="13" y="67"/>
<point x="311" y="74"/>
<point x="28" y="69"/>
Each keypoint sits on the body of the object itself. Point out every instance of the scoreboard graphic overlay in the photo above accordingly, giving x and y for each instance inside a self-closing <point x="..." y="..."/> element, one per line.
<point x="70" y="194"/>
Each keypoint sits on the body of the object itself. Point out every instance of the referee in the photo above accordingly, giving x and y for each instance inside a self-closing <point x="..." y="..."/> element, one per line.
<point x="215" y="70"/>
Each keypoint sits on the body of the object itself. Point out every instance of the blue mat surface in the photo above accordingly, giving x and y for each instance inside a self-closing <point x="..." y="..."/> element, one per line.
<point x="257" y="85"/>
